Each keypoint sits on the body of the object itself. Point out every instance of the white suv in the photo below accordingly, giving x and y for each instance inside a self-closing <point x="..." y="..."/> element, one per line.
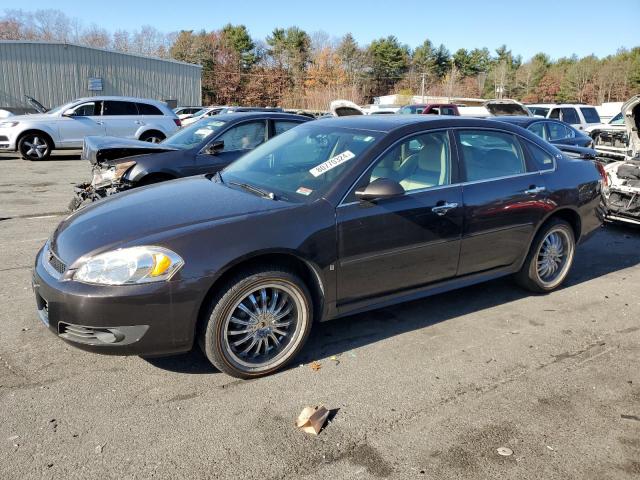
<point x="577" y="115"/>
<point x="36" y="136"/>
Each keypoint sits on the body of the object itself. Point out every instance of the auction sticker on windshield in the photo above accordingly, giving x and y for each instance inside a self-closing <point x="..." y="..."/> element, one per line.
<point x="333" y="162"/>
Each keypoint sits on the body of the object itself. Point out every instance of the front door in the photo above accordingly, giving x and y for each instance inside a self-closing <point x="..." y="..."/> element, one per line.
<point x="408" y="241"/>
<point x="83" y="122"/>
<point x="504" y="199"/>
<point x="238" y="140"/>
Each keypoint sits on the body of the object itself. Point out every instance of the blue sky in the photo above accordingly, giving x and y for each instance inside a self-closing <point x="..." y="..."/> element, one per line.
<point x="559" y="28"/>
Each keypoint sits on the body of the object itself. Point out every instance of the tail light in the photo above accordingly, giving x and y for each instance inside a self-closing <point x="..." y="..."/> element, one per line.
<point x="177" y="122"/>
<point x="603" y="174"/>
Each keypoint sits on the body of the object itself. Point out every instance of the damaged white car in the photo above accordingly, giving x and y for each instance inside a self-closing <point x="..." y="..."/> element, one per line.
<point x="621" y="194"/>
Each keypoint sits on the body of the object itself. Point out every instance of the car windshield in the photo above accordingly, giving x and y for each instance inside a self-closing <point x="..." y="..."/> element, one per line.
<point x="194" y="134"/>
<point x="303" y="163"/>
<point x="538" y="111"/>
<point x="60" y="108"/>
<point x="617" y="120"/>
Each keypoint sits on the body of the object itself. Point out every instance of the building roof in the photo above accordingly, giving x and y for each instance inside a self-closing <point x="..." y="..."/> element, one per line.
<point x="70" y="44"/>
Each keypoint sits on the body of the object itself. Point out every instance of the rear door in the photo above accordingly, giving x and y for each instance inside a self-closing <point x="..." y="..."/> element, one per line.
<point x="405" y="242"/>
<point x="121" y="118"/>
<point x="238" y="140"/>
<point x="505" y="198"/>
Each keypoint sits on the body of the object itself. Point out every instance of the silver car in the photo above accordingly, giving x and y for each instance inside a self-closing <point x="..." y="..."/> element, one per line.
<point x="36" y="136"/>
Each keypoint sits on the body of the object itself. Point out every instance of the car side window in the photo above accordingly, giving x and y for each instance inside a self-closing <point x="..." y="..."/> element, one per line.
<point x="146" y="109"/>
<point x="538" y="129"/>
<point x="90" y="109"/>
<point x="281" y="126"/>
<point x="245" y="136"/>
<point x="447" y="111"/>
<point x="419" y="162"/>
<point x="490" y="154"/>
<point x="555" y="113"/>
<point x="570" y="116"/>
<point x="119" y="108"/>
<point x="542" y="159"/>
<point x="557" y="131"/>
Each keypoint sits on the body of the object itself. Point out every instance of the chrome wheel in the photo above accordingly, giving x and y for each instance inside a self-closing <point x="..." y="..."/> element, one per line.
<point x="554" y="257"/>
<point x="35" y="147"/>
<point x="264" y="326"/>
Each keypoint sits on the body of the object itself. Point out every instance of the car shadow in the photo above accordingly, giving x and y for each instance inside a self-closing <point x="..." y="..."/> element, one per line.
<point x="612" y="249"/>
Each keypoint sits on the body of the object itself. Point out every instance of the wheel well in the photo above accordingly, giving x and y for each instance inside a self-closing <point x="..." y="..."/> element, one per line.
<point x="306" y="273"/>
<point x="572" y="218"/>
<point x="39" y="132"/>
<point x="154" y="132"/>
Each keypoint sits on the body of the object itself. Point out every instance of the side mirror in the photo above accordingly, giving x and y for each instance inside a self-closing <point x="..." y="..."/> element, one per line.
<point x="215" y="148"/>
<point x="380" y="189"/>
<point x="69" y="113"/>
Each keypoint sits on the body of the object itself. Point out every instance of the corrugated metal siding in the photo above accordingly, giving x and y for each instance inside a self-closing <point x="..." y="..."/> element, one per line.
<point x="56" y="73"/>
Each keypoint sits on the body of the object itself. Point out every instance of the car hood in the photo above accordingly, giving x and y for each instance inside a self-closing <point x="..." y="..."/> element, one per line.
<point x="33" y="117"/>
<point x="344" y="108"/>
<point x="163" y="210"/>
<point x="102" y="149"/>
<point x="507" y="107"/>
<point x="631" y="113"/>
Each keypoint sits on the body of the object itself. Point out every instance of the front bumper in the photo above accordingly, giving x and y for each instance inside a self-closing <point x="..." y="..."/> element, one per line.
<point x="147" y="319"/>
<point x="7" y="139"/>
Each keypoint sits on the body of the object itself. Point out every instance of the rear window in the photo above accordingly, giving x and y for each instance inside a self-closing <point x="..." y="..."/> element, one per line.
<point x="119" y="108"/>
<point x="146" y="109"/>
<point x="542" y="159"/>
<point x="570" y="116"/>
<point x="590" y="114"/>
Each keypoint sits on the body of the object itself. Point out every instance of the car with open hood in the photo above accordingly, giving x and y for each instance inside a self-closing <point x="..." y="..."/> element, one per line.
<point x="333" y="217"/>
<point x="35" y="136"/>
<point x="611" y="139"/>
<point x="203" y="147"/>
<point x="621" y="193"/>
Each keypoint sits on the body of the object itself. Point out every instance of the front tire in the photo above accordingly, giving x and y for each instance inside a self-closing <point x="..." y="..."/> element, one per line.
<point x="550" y="258"/>
<point x="35" y="146"/>
<point x="258" y="322"/>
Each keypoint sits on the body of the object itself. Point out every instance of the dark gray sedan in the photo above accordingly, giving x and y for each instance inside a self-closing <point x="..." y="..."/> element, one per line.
<point x="333" y="217"/>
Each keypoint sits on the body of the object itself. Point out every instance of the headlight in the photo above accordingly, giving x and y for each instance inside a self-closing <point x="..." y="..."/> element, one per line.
<point x="8" y="124"/>
<point x="128" y="266"/>
<point x="111" y="174"/>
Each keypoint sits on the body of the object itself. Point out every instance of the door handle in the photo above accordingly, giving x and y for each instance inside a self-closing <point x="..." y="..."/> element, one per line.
<point x="444" y="208"/>
<point x="533" y="190"/>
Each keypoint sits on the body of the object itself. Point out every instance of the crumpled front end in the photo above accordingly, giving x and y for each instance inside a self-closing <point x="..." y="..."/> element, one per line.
<point x="621" y="195"/>
<point x="107" y="179"/>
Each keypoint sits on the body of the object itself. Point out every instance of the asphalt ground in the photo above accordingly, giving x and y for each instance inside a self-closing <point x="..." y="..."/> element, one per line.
<point x="427" y="389"/>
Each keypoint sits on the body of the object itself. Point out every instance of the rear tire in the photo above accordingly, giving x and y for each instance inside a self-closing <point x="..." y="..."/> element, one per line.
<point x="35" y="146"/>
<point x="152" y="137"/>
<point x="258" y="322"/>
<point x="549" y="259"/>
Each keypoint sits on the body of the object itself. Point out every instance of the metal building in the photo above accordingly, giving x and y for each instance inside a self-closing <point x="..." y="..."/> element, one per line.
<point x="54" y="73"/>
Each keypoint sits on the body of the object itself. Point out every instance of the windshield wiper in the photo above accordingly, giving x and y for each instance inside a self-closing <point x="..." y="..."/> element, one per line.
<point x="256" y="190"/>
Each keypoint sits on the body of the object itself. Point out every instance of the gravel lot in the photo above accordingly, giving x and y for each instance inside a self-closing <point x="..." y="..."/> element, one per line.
<point x="428" y="389"/>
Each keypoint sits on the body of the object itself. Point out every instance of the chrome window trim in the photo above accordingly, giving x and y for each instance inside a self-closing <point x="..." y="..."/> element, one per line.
<point x="439" y="187"/>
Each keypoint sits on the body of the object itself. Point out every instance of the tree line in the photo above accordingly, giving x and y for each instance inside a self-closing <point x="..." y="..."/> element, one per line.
<point x="297" y="69"/>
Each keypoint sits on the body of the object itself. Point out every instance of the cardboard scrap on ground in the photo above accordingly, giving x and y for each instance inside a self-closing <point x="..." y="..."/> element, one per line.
<point x="311" y="419"/>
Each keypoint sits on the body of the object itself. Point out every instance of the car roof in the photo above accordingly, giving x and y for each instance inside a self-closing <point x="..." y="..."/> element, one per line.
<point x="122" y="99"/>
<point x="521" y="120"/>
<point x="551" y="105"/>
<point x="388" y="123"/>
<point x="233" y="116"/>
